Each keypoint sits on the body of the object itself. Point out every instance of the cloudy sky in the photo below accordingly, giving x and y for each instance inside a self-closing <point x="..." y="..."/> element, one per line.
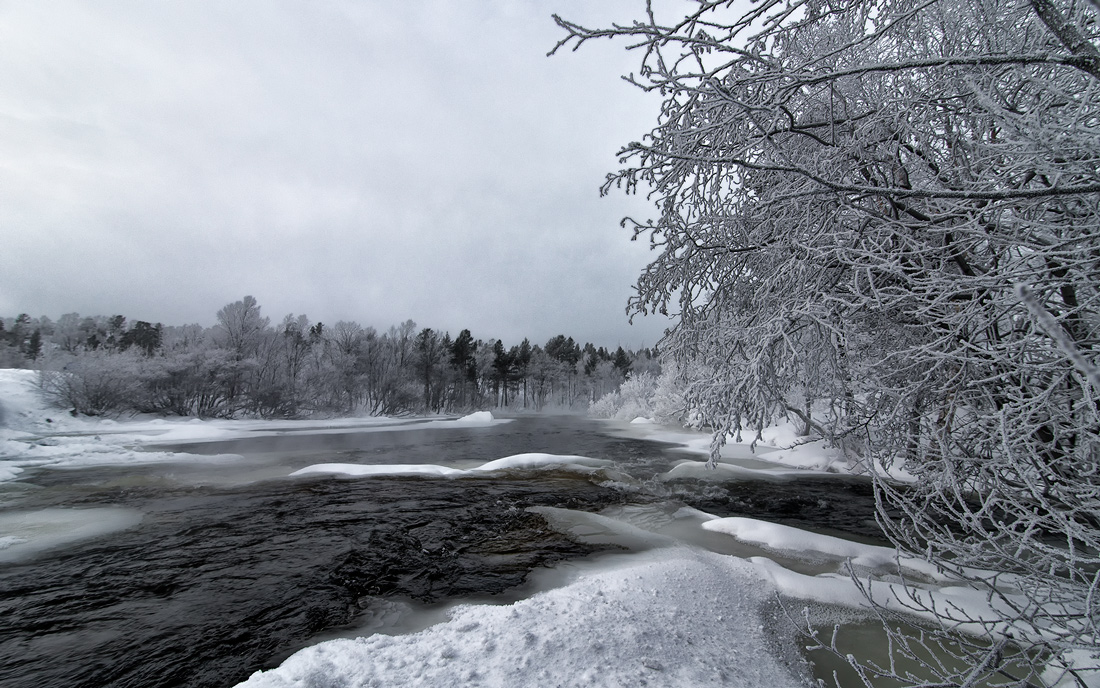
<point x="364" y="160"/>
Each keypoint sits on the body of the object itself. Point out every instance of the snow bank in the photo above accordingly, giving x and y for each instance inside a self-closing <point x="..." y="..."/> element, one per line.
<point x="788" y="539"/>
<point x="22" y="408"/>
<point x="779" y="448"/>
<point x="803" y="543"/>
<point x="27" y="533"/>
<point x="970" y="609"/>
<point x="539" y="460"/>
<point x="173" y="431"/>
<point x="1060" y="671"/>
<point x="672" y="617"/>
<point x="477" y="418"/>
<point x="24" y="451"/>
<point x="699" y="470"/>
<point x="582" y="464"/>
<point x="359" y="470"/>
<point x="35" y="435"/>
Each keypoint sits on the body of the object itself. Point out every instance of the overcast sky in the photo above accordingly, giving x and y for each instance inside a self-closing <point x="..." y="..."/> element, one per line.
<point x="361" y="160"/>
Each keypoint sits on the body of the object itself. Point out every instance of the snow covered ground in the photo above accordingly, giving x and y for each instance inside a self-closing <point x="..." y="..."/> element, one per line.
<point x="33" y="435"/>
<point x="670" y="617"/>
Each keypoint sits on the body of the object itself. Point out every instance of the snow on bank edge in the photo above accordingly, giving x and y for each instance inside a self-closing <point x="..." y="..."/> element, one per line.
<point x="34" y="435"/>
<point x="533" y="460"/>
<point x="668" y="617"/>
<point x="780" y="452"/>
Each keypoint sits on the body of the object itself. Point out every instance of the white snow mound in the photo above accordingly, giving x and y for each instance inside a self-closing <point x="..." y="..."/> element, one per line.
<point x="479" y="417"/>
<point x="672" y="617"/>
<point x="359" y="470"/>
<point x="539" y="460"/>
<point x="533" y="460"/>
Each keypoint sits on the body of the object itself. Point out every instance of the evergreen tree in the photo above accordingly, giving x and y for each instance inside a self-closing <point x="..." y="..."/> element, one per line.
<point x="34" y="345"/>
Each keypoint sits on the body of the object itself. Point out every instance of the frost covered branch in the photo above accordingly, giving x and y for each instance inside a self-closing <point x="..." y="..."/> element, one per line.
<point x="848" y="197"/>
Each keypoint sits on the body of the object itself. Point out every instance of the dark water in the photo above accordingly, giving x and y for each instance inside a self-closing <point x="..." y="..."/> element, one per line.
<point x="222" y="579"/>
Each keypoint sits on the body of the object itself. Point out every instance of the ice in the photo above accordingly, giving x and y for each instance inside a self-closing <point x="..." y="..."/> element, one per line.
<point x="359" y="470"/>
<point x="596" y="529"/>
<point x="25" y="534"/>
<point x="669" y="617"/>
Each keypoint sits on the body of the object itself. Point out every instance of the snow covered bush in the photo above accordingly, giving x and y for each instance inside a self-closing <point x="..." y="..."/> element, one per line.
<point x="644" y="395"/>
<point x="96" y="383"/>
<point x="634" y="399"/>
<point x="606" y="406"/>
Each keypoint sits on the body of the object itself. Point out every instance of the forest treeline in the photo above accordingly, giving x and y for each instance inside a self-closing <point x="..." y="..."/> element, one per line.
<point x="244" y="365"/>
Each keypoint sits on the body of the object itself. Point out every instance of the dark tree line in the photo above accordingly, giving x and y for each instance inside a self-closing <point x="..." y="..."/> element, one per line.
<point x="245" y="365"/>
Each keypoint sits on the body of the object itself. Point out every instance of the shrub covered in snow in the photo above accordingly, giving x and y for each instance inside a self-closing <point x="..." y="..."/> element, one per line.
<point x="97" y="383"/>
<point x="644" y="395"/>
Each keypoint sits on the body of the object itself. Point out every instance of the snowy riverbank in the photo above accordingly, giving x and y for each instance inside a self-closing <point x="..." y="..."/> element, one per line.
<point x="691" y="602"/>
<point x="34" y="435"/>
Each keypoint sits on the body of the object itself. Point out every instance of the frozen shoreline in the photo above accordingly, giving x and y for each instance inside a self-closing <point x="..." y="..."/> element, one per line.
<point x="33" y="435"/>
<point x="672" y="612"/>
<point x="671" y="617"/>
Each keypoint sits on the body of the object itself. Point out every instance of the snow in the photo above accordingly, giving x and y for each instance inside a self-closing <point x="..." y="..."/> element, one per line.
<point x="699" y="470"/>
<point x="538" y="460"/>
<point x="663" y="614"/>
<point x="359" y="470"/>
<point x="970" y="609"/>
<point x="1084" y="663"/>
<point x="479" y="418"/>
<point x="779" y="452"/>
<point x="686" y="606"/>
<point x="35" y="436"/>
<point x="806" y="544"/>
<point x="670" y="617"/>
<point x="518" y="461"/>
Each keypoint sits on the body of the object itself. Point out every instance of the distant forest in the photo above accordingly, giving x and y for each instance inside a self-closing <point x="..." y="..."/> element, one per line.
<point x="245" y="366"/>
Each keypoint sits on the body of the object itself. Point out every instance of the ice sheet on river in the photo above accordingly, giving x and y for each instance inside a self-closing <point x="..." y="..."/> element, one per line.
<point x="668" y="617"/>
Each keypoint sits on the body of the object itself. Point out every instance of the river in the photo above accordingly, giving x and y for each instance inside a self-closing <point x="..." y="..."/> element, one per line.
<point x="234" y="565"/>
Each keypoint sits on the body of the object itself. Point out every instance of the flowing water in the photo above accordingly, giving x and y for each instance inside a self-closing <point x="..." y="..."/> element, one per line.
<point x="206" y="571"/>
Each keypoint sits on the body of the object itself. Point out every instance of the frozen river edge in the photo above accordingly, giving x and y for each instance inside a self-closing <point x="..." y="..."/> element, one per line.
<point x="669" y="613"/>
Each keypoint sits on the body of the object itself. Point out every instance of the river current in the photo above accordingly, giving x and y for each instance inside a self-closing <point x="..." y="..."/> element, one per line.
<point x="234" y="565"/>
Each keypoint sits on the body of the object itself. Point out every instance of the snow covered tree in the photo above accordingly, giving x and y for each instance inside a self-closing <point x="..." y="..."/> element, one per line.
<point x="240" y="326"/>
<point x="881" y="217"/>
<point x="97" y="383"/>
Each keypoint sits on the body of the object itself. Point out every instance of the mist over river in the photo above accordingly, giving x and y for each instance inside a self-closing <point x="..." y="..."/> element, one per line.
<point x="216" y="568"/>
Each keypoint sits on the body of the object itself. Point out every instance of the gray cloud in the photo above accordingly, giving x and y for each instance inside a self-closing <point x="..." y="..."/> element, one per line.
<point x="372" y="161"/>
